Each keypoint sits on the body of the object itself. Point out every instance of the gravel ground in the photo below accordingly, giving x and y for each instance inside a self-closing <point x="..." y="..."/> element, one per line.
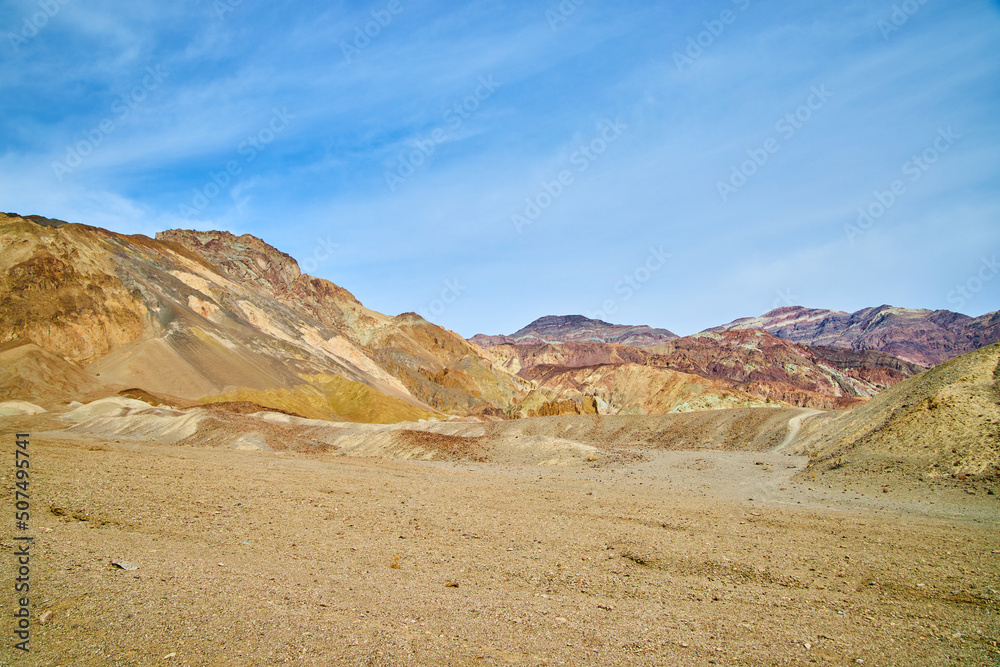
<point x="264" y="558"/>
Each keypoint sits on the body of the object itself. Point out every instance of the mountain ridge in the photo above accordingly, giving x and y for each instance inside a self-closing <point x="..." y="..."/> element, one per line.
<point x="916" y="335"/>
<point x="922" y="336"/>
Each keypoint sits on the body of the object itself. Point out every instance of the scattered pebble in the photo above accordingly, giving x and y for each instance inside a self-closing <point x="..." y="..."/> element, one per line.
<point x="124" y="565"/>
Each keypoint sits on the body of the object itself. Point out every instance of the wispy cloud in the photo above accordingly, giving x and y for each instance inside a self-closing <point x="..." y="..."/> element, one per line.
<point x="324" y="176"/>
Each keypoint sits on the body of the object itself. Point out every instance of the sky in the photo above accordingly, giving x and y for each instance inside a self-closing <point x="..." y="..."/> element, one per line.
<point x="676" y="164"/>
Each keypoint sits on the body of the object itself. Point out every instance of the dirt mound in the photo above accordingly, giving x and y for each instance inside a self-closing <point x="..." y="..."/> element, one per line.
<point x="113" y="406"/>
<point x="128" y="420"/>
<point x="449" y="447"/>
<point x="16" y="408"/>
<point x="944" y="423"/>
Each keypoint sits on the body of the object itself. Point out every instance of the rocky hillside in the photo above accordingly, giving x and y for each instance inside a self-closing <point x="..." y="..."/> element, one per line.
<point x="750" y="363"/>
<point x="214" y="317"/>
<point x="925" y="337"/>
<point x="944" y="423"/>
<point x="576" y="329"/>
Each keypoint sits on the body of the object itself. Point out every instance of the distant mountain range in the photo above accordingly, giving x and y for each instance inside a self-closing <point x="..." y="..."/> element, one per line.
<point x="918" y="336"/>
<point x="925" y="337"/>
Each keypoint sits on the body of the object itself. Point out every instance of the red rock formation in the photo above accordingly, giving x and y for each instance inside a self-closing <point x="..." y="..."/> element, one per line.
<point x="925" y="337"/>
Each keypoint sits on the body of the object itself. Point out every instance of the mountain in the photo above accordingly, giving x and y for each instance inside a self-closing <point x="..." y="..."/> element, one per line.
<point x="925" y="337"/>
<point x="750" y="363"/>
<point x="210" y="316"/>
<point x="577" y="328"/>
<point x="944" y="423"/>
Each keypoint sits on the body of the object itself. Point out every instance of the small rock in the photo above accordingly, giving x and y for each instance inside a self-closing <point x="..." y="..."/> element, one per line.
<point x="451" y="584"/>
<point x="44" y="617"/>
<point x="124" y="565"/>
<point x="169" y="655"/>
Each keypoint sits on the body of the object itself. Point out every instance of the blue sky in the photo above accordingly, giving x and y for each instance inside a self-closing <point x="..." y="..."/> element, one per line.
<point x="676" y="164"/>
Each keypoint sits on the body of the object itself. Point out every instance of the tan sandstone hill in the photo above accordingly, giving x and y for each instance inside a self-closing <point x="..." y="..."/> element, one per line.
<point x="944" y="423"/>
<point x="214" y="317"/>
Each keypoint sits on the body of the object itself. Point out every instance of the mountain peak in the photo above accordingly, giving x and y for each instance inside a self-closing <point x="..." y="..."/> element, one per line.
<point x="244" y="259"/>
<point x="576" y="329"/>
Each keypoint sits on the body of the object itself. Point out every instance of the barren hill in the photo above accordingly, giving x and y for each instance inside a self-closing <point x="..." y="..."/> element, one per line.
<point x="944" y="423"/>
<point x="214" y="317"/>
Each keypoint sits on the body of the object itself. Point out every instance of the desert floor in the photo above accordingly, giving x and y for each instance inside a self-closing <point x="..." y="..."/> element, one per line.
<point x="684" y="558"/>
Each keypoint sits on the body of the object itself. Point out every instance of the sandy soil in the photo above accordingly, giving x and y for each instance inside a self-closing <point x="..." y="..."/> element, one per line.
<point x="681" y="558"/>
